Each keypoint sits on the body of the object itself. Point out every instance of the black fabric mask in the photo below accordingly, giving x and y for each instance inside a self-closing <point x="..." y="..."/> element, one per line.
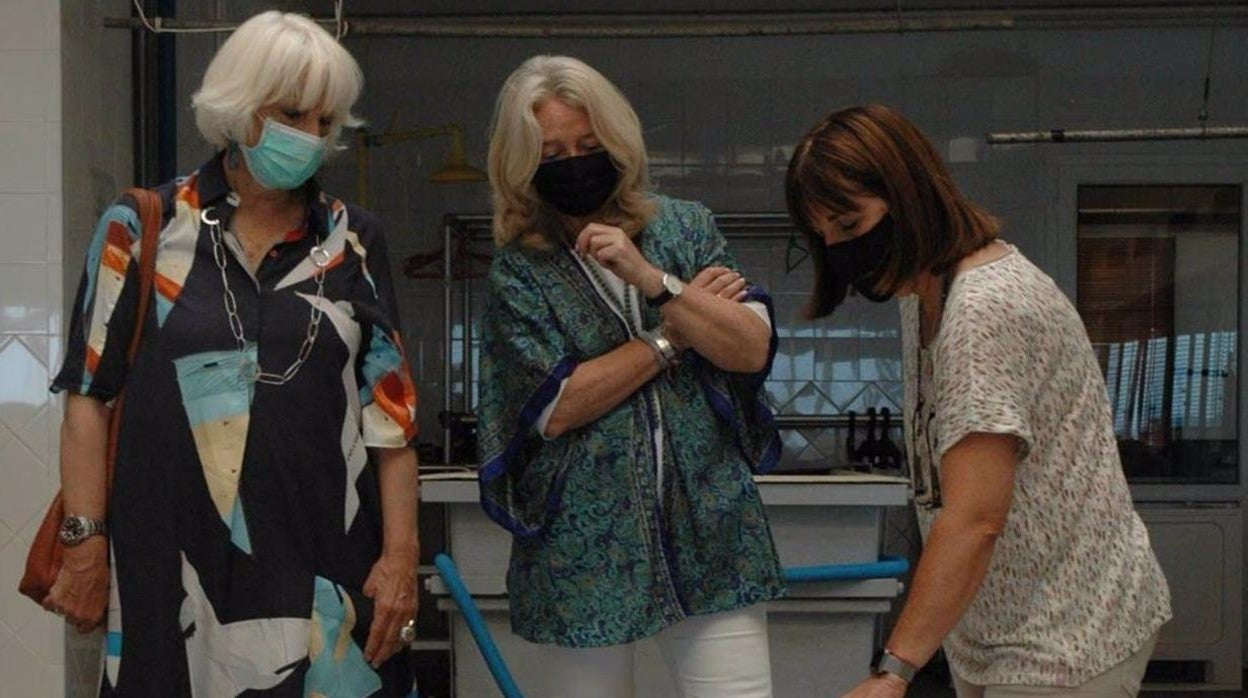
<point x="860" y="262"/>
<point x="577" y="186"/>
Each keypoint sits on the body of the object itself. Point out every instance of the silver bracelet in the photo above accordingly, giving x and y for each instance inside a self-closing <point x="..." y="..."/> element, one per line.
<point x="662" y="347"/>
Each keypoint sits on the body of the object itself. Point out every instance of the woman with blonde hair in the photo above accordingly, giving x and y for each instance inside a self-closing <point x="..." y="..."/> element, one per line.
<point x="260" y="533"/>
<point x="620" y="414"/>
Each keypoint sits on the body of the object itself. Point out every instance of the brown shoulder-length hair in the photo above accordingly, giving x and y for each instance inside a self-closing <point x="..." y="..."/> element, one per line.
<point x="872" y="150"/>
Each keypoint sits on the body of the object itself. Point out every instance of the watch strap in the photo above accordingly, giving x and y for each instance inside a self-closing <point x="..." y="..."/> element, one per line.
<point x="660" y="299"/>
<point x="664" y="295"/>
<point x="888" y="663"/>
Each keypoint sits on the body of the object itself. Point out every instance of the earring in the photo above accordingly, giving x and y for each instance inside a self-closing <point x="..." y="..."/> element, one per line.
<point x="232" y="155"/>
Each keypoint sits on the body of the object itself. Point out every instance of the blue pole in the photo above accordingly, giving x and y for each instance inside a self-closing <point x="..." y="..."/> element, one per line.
<point x="476" y="624"/>
<point x="887" y="566"/>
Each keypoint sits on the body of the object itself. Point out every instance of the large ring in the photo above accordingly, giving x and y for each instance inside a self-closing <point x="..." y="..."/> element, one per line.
<point x="320" y="257"/>
<point x="206" y="216"/>
<point x="407" y="633"/>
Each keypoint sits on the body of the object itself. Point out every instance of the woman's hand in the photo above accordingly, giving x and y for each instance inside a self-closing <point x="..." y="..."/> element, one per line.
<point x="720" y="281"/>
<point x="80" y="592"/>
<point x="612" y="248"/>
<point x="392" y="586"/>
<point x="882" y="686"/>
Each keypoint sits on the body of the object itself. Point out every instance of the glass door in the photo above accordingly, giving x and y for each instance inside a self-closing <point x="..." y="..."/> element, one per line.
<point x="1158" y="287"/>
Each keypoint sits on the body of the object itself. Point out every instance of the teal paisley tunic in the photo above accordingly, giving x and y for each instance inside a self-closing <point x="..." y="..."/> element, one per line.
<point x="606" y="550"/>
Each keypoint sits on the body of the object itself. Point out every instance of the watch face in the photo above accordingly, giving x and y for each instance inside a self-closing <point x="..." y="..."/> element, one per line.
<point x="72" y="529"/>
<point x="673" y="285"/>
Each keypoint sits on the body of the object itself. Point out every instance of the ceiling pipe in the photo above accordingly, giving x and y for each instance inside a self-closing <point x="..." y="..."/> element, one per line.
<point x="1118" y="134"/>
<point x="684" y="25"/>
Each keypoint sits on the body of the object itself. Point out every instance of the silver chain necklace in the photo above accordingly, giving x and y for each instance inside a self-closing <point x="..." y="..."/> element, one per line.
<point x="251" y="369"/>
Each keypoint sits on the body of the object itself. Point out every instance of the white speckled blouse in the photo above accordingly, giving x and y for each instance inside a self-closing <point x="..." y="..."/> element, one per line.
<point x="1074" y="587"/>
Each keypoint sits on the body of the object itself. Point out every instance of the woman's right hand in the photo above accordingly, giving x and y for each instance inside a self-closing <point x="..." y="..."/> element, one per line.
<point x="80" y="592"/>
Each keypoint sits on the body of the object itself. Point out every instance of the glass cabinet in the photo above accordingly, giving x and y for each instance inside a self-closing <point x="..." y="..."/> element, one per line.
<point x="1158" y="284"/>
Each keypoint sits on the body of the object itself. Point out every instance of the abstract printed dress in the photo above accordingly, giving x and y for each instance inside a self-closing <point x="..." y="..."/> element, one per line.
<point x="244" y="517"/>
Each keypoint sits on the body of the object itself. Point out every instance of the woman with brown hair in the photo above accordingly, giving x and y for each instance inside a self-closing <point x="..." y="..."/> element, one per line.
<point x="1037" y="575"/>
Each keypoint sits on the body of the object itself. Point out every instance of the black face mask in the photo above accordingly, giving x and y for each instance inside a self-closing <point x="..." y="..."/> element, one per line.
<point x="860" y="262"/>
<point x="577" y="186"/>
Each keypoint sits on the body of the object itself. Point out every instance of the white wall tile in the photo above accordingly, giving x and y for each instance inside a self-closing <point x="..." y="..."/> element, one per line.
<point x="28" y="487"/>
<point x="24" y="156"/>
<point x="55" y="228"/>
<point x="45" y="637"/>
<point x="55" y="300"/>
<point x="23" y="299"/>
<point x="28" y="24"/>
<point x="31" y="653"/>
<point x="16" y="611"/>
<point x="27" y="82"/>
<point x="54" y="82"/>
<point x="23" y="387"/>
<point x="25" y="235"/>
<point x="52" y="155"/>
<point x="21" y="667"/>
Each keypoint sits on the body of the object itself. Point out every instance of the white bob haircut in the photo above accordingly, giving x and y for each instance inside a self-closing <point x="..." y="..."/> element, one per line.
<point x="276" y="58"/>
<point x="516" y="146"/>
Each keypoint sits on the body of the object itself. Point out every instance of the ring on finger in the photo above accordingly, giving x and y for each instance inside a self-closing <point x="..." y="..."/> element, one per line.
<point x="407" y="633"/>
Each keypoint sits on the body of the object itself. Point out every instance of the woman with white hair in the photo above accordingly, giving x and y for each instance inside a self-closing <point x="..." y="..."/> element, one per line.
<point x="620" y="416"/>
<point x="261" y="524"/>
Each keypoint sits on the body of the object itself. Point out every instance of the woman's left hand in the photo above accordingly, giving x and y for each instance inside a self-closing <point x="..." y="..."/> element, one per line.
<point x="882" y="686"/>
<point x="613" y="249"/>
<point x="392" y="586"/>
<point x="720" y="281"/>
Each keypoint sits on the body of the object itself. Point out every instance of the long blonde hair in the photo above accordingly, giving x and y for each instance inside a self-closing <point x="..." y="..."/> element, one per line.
<point x="516" y="146"/>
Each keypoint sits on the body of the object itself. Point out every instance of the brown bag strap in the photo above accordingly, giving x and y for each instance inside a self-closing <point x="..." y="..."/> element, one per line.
<point x="151" y="215"/>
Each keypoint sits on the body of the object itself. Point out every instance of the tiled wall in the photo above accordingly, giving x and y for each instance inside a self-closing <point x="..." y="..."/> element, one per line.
<point x="31" y="652"/>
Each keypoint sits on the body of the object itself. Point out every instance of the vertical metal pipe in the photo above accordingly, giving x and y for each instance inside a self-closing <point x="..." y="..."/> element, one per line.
<point x="466" y="314"/>
<point x="361" y="167"/>
<point x="143" y="62"/>
<point x="1241" y="355"/>
<point x="166" y="99"/>
<point x="448" y="223"/>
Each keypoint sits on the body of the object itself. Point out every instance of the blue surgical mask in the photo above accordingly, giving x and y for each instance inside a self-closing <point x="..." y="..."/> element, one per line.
<point x="284" y="157"/>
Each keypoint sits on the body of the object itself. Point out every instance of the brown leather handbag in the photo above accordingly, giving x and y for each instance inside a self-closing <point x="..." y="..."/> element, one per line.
<point x="43" y="563"/>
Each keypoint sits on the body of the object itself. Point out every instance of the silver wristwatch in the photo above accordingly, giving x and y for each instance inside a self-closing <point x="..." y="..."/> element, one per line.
<point x="76" y="529"/>
<point x="672" y="287"/>
<point x="888" y="663"/>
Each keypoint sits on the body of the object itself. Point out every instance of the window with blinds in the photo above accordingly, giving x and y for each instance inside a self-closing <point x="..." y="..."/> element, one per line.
<point x="1158" y="289"/>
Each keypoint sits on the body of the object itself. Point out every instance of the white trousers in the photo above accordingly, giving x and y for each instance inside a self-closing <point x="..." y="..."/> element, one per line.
<point x="722" y="655"/>
<point x="1121" y="681"/>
